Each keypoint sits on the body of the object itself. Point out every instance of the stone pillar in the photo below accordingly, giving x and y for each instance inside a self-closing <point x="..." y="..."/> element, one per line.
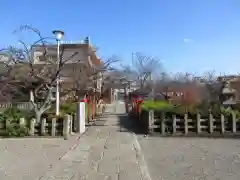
<point x="53" y="129"/>
<point x="163" y="123"/>
<point x="66" y="126"/>
<point x="80" y="117"/>
<point x="151" y="121"/>
<point x="198" y="123"/>
<point x="174" y="124"/>
<point x="32" y="127"/>
<point x="43" y="124"/>
<point x="234" y="126"/>
<point x="210" y="123"/>
<point x="222" y="124"/>
<point x="186" y="123"/>
<point x="22" y="122"/>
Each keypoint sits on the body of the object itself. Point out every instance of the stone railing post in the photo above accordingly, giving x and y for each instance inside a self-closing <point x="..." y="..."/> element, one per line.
<point x="43" y="125"/>
<point x="151" y="121"/>
<point x="32" y="127"/>
<point x="53" y="130"/>
<point x="66" y="126"/>
<point x="22" y="123"/>
<point x="198" y="123"/>
<point x="210" y="123"/>
<point x="162" y="123"/>
<point x="222" y="124"/>
<point x="234" y="127"/>
<point x="174" y="124"/>
<point x="71" y="125"/>
<point x="7" y="123"/>
<point x="186" y="123"/>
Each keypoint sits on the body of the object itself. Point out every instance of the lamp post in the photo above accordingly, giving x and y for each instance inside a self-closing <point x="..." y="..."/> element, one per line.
<point x="59" y="36"/>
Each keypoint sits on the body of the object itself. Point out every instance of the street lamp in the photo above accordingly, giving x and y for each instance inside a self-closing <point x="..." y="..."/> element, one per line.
<point x="59" y="36"/>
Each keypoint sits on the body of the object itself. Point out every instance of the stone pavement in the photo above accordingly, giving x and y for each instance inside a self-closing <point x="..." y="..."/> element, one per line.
<point x="104" y="153"/>
<point x="182" y="158"/>
<point x="29" y="158"/>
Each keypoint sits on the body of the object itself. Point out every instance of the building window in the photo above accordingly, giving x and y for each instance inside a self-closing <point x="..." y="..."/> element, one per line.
<point x="41" y="58"/>
<point x="44" y="58"/>
<point x="52" y="57"/>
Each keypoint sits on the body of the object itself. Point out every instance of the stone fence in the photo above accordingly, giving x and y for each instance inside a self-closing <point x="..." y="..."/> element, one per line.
<point x="151" y="121"/>
<point x="61" y="126"/>
<point x="47" y="127"/>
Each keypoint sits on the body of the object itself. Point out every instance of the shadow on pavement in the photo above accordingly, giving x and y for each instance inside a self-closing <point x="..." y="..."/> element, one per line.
<point x="127" y="124"/>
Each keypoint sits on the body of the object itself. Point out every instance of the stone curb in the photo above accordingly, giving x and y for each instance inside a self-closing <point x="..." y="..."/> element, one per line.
<point x="140" y="158"/>
<point x="75" y="144"/>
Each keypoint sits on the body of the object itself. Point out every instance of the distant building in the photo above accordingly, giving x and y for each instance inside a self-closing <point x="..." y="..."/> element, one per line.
<point x="228" y="78"/>
<point x="85" y="60"/>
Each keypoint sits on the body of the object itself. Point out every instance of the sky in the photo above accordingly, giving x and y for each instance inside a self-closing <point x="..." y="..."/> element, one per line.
<point x="185" y="35"/>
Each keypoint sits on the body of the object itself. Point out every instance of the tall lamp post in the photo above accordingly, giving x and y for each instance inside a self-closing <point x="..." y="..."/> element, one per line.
<point x="59" y="36"/>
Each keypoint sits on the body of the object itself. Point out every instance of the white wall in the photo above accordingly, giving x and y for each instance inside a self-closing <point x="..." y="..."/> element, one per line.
<point x="81" y="56"/>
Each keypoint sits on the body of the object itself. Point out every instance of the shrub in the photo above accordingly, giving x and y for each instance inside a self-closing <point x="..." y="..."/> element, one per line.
<point x="227" y="112"/>
<point x="65" y="108"/>
<point x="203" y="108"/>
<point x="14" y="113"/>
<point x="68" y="108"/>
<point x="11" y="117"/>
<point x="2" y="118"/>
<point x="13" y="129"/>
<point x="157" y="105"/>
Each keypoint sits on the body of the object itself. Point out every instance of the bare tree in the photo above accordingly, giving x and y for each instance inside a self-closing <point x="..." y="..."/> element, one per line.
<point x="142" y="68"/>
<point x="20" y="70"/>
<point x="213" y="87"/>
<point x="206" y="86"/>
<point x="83" y="78"/>
<point x="176" y="85"/>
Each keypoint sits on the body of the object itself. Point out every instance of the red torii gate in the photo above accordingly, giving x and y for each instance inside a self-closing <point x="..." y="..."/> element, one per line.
<point x="137" y="101"/>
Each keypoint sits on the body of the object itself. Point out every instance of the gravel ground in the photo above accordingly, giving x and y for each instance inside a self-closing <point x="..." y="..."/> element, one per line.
<point x="191" y="158"/>
<point x="104" y="153"/>
<point x="167" y="158"/>
<point x="29" y="158"/>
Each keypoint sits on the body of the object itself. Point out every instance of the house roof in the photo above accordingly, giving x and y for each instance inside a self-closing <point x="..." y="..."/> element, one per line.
<point x="54" y="46"/>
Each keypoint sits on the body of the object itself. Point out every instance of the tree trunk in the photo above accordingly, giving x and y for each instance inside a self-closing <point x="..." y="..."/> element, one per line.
<point x="38" y="116"/>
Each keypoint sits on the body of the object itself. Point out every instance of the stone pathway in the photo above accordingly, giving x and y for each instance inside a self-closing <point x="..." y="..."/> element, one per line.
<point x="103" y="153"/>
<point x="29" y="158"/>
<point x="192" y="158"/>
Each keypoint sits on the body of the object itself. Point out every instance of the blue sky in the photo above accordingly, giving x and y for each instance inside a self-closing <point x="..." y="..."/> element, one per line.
<point x="187" y="35"/>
